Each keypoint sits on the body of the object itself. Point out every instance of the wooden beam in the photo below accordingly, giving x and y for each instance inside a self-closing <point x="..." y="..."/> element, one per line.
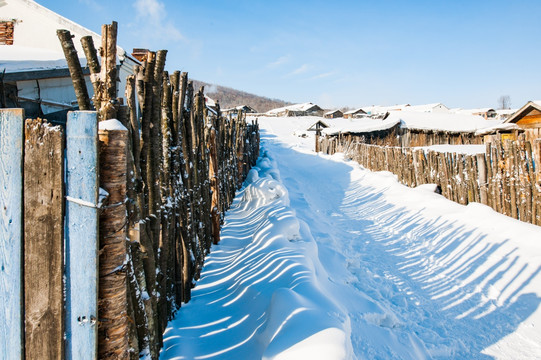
<point x="43" y="240"/>
<point x="11" y="232"/>
<point x="81" y="235"/>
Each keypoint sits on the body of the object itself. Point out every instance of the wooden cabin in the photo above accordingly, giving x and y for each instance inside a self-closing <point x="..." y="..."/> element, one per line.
<point x="234" y="110"/>
<point x="356" y="113"/>
<point x="304" y="109"/>
<point x="528" y="118"/>
<point x="333" y="114"/>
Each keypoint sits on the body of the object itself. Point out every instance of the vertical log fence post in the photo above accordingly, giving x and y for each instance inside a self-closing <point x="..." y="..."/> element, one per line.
<point x="112" y="303"/>
<point x="11" y="232"/>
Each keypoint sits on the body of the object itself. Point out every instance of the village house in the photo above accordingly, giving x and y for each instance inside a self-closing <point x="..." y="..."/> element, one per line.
<point x="436" y="107"/>
<point x="244" y="108"/>
<point x="333" y="114"/>
<point x="36" y="74"/>
<point x="486" y="113"/>
<point x="355" y="113"/>
<point x="376" y="111"/>
<point x="528" y="118"/>
<point x="304" y="109"/>
<point x="504" y="114"/>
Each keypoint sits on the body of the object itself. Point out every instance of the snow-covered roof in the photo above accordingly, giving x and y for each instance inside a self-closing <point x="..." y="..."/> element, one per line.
<point x="296" y="107"/>
<point x="427" y="107"/>
<point x="332" y="112"/>
<point x="506" y="111"/>
<point x="416" y="121"/>
<point x="17" y="58"/>
<point x="377" y="109"/>
<point x="35" y="44"/>
<point x="354" y="111"/>
<point x="209" y="101"/>
<point x="362" y="125"/>
<point x="474" y="111"/>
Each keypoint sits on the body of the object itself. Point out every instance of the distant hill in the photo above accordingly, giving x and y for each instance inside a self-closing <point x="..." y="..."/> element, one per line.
<point x="229" y="97"/>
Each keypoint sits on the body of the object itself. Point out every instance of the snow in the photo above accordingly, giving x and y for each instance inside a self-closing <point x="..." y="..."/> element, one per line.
<point x="17" y="58"/>
<point x="295" y="107"/>
<point x="415" y="120"/>
<point x="323" y="259"/>
<point x="111" y="125"/>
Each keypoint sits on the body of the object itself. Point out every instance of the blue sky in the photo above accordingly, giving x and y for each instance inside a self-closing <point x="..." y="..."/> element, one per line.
<point x="339" y="53"/>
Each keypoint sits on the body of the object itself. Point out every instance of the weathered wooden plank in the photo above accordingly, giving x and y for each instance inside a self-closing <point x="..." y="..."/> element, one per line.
<point x="11" y="229"/>
<point x="81" y="235"/>
<point x="43" y="240"/>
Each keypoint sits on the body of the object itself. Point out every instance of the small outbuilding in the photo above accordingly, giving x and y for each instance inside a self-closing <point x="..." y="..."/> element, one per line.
<point x="528" y="118"/>
<point x="355" y="113"/>
<point x="244" y="108"/>
<point x="333" y="114"/>
<point x="304" y="109"/>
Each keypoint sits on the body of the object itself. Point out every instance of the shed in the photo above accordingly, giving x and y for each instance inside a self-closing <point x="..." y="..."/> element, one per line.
<point x="528" y="118"/>
<point x="333" y="114"/>
<point x="487" y="113"/>
<point x="303" y="109"/>
<point x="435" y="107"/>
<point x="355" y="113"/>
<point x="244" y="108"/>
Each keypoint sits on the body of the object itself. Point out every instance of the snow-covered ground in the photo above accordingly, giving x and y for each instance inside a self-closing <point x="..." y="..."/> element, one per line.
<point x="322" y="259"/>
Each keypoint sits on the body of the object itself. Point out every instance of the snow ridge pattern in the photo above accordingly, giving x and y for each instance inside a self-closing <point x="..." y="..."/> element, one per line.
<point x="263" y="293"/>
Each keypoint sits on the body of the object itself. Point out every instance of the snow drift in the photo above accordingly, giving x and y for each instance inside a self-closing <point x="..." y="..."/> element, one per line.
<point x="262" y="292"/>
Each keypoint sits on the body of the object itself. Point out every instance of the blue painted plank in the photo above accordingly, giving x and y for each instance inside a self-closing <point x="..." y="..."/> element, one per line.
<point x="11" y="230"/>
<point x="81" y="235"/>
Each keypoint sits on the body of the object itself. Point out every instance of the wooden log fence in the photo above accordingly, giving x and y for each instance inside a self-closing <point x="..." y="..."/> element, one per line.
<point x="167" y="169"/>
<point x="506" y="177"/>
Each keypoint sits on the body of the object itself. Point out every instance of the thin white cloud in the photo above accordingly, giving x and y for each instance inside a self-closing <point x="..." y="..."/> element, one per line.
<point x="280" y="61"/>
<point x="300" y="70"/>
<point x="323" y="75"/>
<point x="153" y="12"/>
<point x="150" y="9"/>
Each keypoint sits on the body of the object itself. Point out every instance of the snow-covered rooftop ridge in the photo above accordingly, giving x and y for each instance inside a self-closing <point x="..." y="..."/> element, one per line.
<point x="359" y="125"/>
<point x="331" y="112"/>
<point x="295" y="107"/>
<point x="473" y="111"/>
<point x="435" y="121"/>
<point x="506" y="111"/>
<point x="353" y="111"/>
<point x="378" y="109"/>
<point x="426" y="107"/>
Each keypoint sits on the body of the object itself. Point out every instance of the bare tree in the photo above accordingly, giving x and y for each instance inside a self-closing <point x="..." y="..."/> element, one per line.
<point x="504" y="102"/>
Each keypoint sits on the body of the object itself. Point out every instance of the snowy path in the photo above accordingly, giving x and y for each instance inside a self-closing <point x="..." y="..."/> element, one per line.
<point x="354" y="264"/>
